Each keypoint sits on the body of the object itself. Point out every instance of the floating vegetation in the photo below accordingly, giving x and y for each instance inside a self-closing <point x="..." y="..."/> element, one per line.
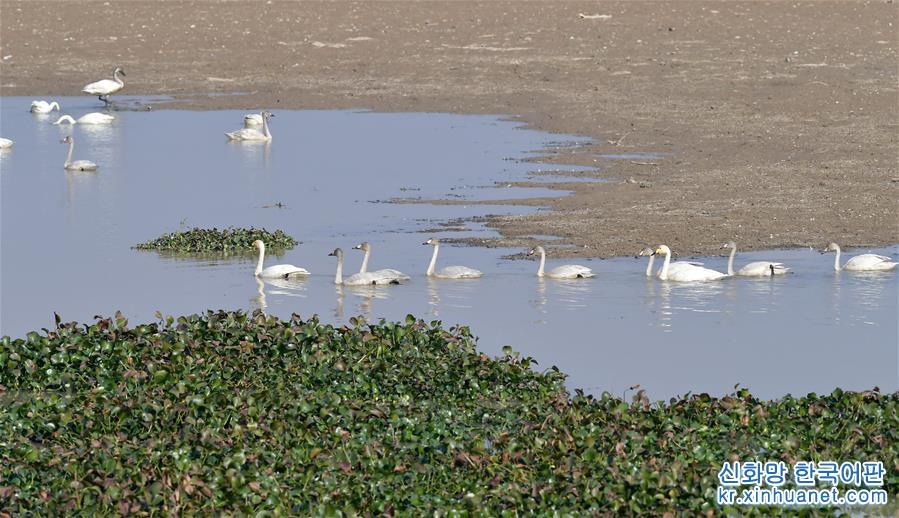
<point x="215" y="240"/>
<point x="232" y="413"/>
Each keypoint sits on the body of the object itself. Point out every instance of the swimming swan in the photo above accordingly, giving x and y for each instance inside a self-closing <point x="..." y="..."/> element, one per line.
<point x="43" y="106"/>
<point x="647" y="251"/>
<point x="282" y="271"/>
<point x="387" y="273"/>
<point x="106" y="87"/>
<point x="77" y="165"/>
<point x="90" y="118"/>
<point x="686" y="273"/>
<point x="753" y="269"/>
<point x="568" y="271"/>
<point x="5" y="143"/>
<point x="252" y="119"/>
<point x="358" y="279"/>
<point x="861" y="263"/>
<point x="253" y="133"/>
<point x="449" y="272"/>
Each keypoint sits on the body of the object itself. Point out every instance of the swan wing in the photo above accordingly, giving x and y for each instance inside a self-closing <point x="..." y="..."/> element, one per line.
<point x="102" y="87"/>
<point x="283" y="270"/>
<point x="870" y="262"/>
<point x="690" y="273"/>
<point x="5" y="143"/>
<point x="761" y="268"/>
<point x="96" y="118"/>
<point x="458" y="272"/>
<point x="247" y="134"/>
<point x="388" y="276"/>
<point x="570" y="271"/>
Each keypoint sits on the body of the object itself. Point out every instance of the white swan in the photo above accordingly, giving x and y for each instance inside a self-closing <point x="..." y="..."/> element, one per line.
<point x="686" y="273"/>
<point x="647" y="251"/>
<point x="277" y="271"/>
<point x="5" y="143"/>
<point x="77" y="165"/>
<point x="449" y="272"/>
<point x="358" y="279"/>
<point x="43" y="106"/>
<point x="567" y="271"/>
<point x="252" y="119"/>
<point x="387" y="274"/>
<point x="90" y="118"/>
<point x="106" y="87"/>
<point x="755" y="268"/>
<point x="253" y="133"/>
<point x="861" y="263"/>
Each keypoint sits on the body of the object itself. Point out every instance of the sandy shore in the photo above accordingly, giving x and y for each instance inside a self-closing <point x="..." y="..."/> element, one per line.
<point x="779" y="120"/>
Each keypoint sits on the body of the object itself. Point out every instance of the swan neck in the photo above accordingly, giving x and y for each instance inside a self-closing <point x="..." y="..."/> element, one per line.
<point x="836" y="260"/>
<point x="664" y="274"/>
<point x="65" y="118"/>
<point x="260" y="260"/>
<point x="54" y="106"/>
<point x="364" y="267"/>
<point x="652" y="259"/>
<point x="338" y="278"/>
<point x="542" y="263"/>
<point x="730" y="261"/>
<point x="69" y="156"/>
<point x="433" y="262"/>
<point x="115" y="76"/>
<point x="265" y="126"/>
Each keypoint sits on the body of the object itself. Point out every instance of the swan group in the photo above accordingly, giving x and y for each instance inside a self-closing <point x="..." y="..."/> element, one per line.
<point x="77" y="165"/>
<point x="44" y="106"/>
<point x="385" y="276"/>
<point x="361" y="278"/>
<point x="90" y="118"/>
<point x="106" y="87"/>
<point x="253" y="134"/>
<point x="686" y="273"/>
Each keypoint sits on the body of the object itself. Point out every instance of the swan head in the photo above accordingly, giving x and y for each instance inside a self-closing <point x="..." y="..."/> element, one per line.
<point x="363" y="246"/>
<point x="336" y="253"/>
<point x="119" y="70"/>
<point x="65" y="118"/>
<point x="258" y="244"/>
<point x="267" y="114"/>
<point x="662" y="250"/>
<point x="645" y="252"/>
<point x="536" y="250"/>
<point x="67" y="140"/>
<point x="433" y="242"/>
<point x="729" y="244"/>
<point x="832" y="247"/>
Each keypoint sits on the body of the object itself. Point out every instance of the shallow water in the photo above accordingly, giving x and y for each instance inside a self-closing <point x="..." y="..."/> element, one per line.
<point x="66" y="247"/>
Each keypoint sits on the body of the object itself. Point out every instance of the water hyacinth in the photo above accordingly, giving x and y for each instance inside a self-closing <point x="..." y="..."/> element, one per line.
<point x="233" y="413"/>
<point x="214" y="240"/>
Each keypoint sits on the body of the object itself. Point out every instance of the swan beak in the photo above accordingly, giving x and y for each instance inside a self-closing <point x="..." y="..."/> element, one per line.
<point x="426" y="243"/>
<point x="123" y="73"/>
<point x="331" y="254"/>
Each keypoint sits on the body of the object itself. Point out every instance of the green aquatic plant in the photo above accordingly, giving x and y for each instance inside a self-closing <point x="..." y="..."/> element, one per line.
<point x="235" y="413"/>
<point x="214" y="240"/>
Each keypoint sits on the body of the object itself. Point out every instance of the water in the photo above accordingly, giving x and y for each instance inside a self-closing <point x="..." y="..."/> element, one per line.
<point x="66" y="241"/>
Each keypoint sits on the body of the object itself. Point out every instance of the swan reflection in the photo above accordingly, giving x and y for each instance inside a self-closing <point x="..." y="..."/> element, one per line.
<point x="458" y="293"/>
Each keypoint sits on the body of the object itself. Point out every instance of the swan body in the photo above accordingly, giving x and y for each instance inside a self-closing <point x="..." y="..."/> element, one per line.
<point x="686" y="273"/>
<point x="385" y="276"/>
<point x="567" y="271"/>
<point x="90" y="118"/>
<point x="281" y="271"/>
<point x="5" y="143"/>
<point x="755" y="268"/>
<point x="449" y="272"/>
<point x="106" y="87"/>
<point x="863" y="262"/>
<point x="647" y="251"/>
<point x="363" y="278"/>
<point x="252" y="119"/>
<point x="253" y="133"/>
<point x="43" y="106"/>
<point x="77" y="165"/>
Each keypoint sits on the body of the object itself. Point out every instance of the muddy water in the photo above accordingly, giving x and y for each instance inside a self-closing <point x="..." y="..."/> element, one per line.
<point x="66" y="241"/>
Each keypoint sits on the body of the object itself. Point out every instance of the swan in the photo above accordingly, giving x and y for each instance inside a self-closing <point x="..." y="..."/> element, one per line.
<point x="77" y="165"/>
<point x="282" y="271"/>
<point x="753" y="269"/>
<point x="359" y="279"/>
<point x="387" y="273"/>
<point x="647" y="251"/>
<point x="253" y="133"/>
<point x="686" y="273"/>
<point x="449" y="272"/>
<point x="5" y="143"/>
<point x="252" y="119"/>
<point x="106" y="87"/>
<point x="568" y="271"/>
<point x="861" y="263"/>
<point x="90" y="118"/>
<point x="44" y="106"/>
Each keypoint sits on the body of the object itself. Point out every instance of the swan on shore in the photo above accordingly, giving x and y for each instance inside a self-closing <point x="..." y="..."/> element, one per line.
<point x="386" y="274"/>
<point x="362" y="278"/>
<point x="253" y="133"/>
<point x="252" y="119"/>
<point x="44" y="106"/>
<point x="567" y="271"/>
<point x="449" y="272"/>
<point x="281" y="271"/>
<point x="755" y="268"/>
<point x="90" y="118"/>
<point x="77" y="165"/>
<point x="861" y="263"/>
<point x="686" y="273"/>
<point x="106" y="87"/>
<point x="6" y="143"/>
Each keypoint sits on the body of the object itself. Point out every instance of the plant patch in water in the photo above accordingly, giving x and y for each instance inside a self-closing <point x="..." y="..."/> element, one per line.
<point x="215" y="240"/>
<point x="231" y="413"/>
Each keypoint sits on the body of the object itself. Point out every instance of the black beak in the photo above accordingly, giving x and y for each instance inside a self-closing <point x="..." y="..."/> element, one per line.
<point x="426" y="243"/>
<point x="331" y="254"/>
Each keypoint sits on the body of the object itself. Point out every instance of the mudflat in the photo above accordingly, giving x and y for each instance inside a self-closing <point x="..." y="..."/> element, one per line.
<point x="773" y="124"/>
